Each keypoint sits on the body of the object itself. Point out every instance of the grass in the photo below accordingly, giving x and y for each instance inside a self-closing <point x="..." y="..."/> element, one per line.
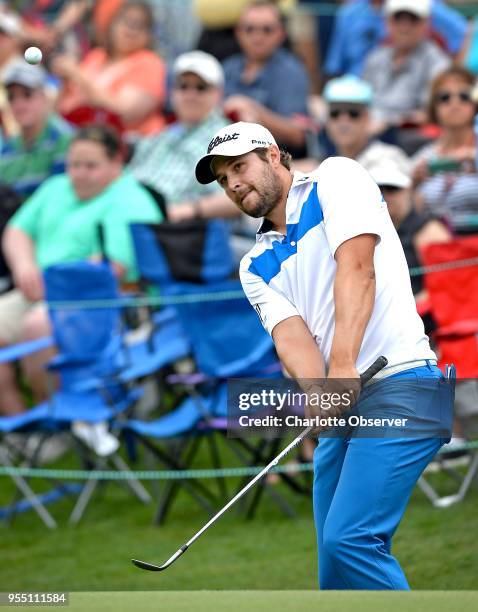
<point x="258" y="601"/>
<point x="437" y="548"/>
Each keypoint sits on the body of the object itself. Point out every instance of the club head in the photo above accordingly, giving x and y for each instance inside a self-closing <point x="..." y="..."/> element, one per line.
<point x="148" y="566"/>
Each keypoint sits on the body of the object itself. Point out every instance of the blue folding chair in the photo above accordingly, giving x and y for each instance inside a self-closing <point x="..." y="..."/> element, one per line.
<point x="228" y="341"/>
<point x="88" y="364"/>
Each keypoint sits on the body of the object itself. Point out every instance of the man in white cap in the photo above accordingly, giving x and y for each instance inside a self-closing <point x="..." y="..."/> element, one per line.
<point x="164" y="162"/>
<point x="329" y="281"/>
<point x="400" y="73"/>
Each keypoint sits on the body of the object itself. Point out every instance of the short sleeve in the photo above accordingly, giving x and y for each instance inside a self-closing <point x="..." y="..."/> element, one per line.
<point x="28" y="215"/>
<point x="271" y="306"/>
<point x="350" y="199"/>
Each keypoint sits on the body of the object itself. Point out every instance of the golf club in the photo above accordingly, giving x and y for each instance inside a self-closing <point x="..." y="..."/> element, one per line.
<point x="376" y="366"/>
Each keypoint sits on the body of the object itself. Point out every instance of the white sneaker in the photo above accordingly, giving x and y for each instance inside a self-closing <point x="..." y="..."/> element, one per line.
<point x="96" y="436"/>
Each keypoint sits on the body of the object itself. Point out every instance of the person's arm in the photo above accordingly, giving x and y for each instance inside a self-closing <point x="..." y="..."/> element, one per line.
<point x="19" y="251"/>
<point x="131" y="104"/>
<point x="215" y="205"/>
<point x="354" y="298"/>
<point x="297" y="349"/>
<point x="355" y="217"/>
<point x="432" y="232"/>
<point x="283" y="128"/>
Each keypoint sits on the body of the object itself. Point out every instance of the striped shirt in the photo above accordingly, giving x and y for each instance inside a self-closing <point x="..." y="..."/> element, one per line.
<point x="450" y="195"/>
<point x="166" y="161"/>
<point x="25" y="166"/>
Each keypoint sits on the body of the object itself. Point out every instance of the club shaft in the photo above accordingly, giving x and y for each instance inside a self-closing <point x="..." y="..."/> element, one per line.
<point x="378" y="364"/>
<point x="367" y="375"/>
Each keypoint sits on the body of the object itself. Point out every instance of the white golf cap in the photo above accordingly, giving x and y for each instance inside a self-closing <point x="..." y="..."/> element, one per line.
<point x="420" y="8"/>
<point x="388" y="173"/>
<point x="203" y="64"/>
<point x="232" y="141"/>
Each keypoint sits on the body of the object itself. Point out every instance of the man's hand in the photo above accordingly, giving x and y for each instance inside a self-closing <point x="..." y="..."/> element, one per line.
<point x="245" y="108"/>
<point x="332" y="397"/>
<point x="28" y="278"/>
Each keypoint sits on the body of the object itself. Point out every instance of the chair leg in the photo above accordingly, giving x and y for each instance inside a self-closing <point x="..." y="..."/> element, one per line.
<point x="216" y="463"/>
<point x="172" y="488"/>
<point x="263" y="485"/>
<point x="133" y="483"/>
<point x="83" y="500"/>
<point x="28" y="493"/>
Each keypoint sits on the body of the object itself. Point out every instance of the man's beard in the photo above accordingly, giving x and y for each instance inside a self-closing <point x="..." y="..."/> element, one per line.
<point x="269" y="192"/>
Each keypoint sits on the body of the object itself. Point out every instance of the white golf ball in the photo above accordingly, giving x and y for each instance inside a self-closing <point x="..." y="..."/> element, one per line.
<point x="33" y="55"/>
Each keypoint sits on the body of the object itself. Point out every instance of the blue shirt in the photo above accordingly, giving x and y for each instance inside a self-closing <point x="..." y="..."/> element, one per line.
<point x="360" y="27"/>
<point x="282" y="85"/>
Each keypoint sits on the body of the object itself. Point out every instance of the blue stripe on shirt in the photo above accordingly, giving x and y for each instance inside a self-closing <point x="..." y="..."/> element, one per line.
<point x="268" y="264"/>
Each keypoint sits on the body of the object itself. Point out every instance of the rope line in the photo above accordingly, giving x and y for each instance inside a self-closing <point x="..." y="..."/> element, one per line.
<point x="233" y="472"/>
<point x="130" y="301"/>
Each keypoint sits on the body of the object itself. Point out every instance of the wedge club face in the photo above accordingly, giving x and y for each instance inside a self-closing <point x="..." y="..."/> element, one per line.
<point x="159" y="568"/>
<point x="148" y="566"/>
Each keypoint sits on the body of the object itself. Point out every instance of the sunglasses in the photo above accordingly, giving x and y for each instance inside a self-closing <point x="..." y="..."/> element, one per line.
<point x="444" y="97"/>
<point x="25" y="94"/>
<point x="406" y="16"/>
<point x="390" y="188"/>
<point x="267" y="30"/>
<point x="352" y="113"/>
<point x="200" y="87"/>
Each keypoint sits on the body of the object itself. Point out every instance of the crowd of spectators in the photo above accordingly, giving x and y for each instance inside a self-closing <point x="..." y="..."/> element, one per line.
<point x="130" y="91"/>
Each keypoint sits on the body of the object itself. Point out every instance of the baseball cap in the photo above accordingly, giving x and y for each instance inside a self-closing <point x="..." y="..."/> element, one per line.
<point x="203" y="64"/>
<point x="388" y="173"/>
<point x="232" y="141"/>
<point x="21" y="73"/>
<point x="348" y="88"/>
<point x="420" y="8"/>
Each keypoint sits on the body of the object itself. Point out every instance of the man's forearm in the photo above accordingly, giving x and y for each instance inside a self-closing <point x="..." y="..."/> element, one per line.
<point x="283" y="128"/>
<point x="297" y="349"/>
<point x="354" y="296"/>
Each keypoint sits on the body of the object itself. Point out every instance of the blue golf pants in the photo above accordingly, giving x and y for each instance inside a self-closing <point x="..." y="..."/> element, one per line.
<point x="362" y="484"/>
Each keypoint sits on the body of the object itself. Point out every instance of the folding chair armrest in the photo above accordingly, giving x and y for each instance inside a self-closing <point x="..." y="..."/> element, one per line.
<point x="194" y="379"/>
<point x="17" y="351"/>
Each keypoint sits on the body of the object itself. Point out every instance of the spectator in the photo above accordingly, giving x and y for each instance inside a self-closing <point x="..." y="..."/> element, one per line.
<point x="10" y="27"/>
<point x="9" y="54"/>
<point x="445" y="170"/>
<point x="176" y="25"/>
<point x="265" y="83"/>
<point x="360" y="27"/>
<point x="400" y="74"/>
<point x="415" y="230"/>
<point x="348" y="125"/>
<point x="51" y="23"/>
<point x="164" y="162"/>
<point x="59" y="223"/>
<point x="39" y="150"/>
<point x="124" y="77"/>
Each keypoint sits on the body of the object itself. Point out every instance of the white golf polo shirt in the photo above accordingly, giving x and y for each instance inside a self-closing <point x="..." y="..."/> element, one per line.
<point x="290" y="275"/>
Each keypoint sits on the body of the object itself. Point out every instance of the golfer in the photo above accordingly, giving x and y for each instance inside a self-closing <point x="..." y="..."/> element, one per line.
<point x="329" y="281"/>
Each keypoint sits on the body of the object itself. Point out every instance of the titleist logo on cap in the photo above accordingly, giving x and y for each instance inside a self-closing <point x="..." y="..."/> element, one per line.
<point x="219" y="140"/>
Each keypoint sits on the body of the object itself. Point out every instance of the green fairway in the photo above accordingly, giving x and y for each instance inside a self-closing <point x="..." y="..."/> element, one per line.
<point x="437" y="548"/>
<point x="259" y="601"/>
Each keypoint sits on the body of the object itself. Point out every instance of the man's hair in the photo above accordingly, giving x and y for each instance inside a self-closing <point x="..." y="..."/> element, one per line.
<point x="104" y="135"/>
<point x="285" y="157"/>
<point x="271" y="3"/>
